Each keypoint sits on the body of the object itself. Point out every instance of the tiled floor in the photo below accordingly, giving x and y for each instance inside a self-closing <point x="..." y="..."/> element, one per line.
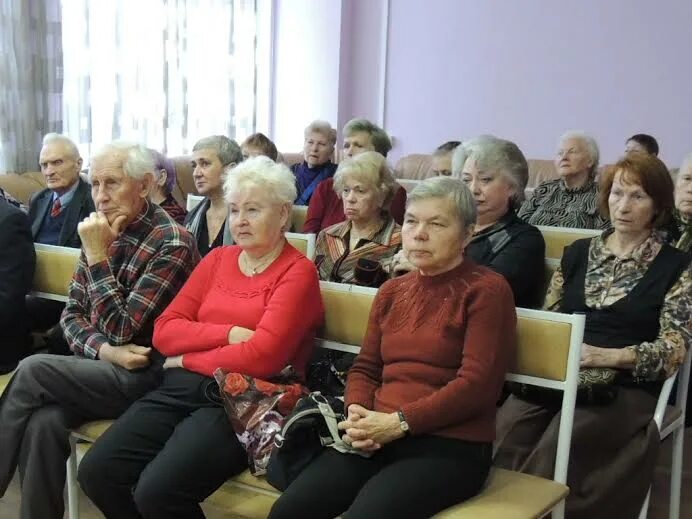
<point x="9" y="505"/>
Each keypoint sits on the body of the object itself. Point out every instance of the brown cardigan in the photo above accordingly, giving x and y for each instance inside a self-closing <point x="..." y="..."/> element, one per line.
<point x="438" y="348"/>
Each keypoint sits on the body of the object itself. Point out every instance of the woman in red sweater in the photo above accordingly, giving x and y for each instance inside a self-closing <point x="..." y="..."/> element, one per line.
<point x="251" y="308"/>
<point x="421" y="394"/>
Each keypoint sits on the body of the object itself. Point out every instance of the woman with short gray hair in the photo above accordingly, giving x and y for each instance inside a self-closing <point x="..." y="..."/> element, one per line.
<point x="421" y="394"/>
<point x="496" y="173"/>
<point x="212" y="158"/>
<point x="317" y="166"/>
<point x="572" y="199"/>
<point x="359" y="250"/>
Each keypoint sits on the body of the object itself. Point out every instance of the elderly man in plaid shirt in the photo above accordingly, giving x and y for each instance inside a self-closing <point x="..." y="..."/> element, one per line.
<point x="134" y="260"/>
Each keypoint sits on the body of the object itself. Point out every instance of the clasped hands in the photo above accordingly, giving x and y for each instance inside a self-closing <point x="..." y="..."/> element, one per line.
<point x="370" y="430"/>
<point x="97" y="235"/>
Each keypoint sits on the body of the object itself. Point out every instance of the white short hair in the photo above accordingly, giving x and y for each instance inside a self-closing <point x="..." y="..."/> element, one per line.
<point x="51" y="138"/>
<point x="138" y="160"/>
<point x="323" y="128"/>
<point x="275" y="179"/>
<point x="589" y="143"/>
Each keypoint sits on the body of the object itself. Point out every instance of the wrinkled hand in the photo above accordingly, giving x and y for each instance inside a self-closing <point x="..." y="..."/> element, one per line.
<point x="128" y="356"/>
<point x="369" y="430"/>
<point x="173" y="362"/>
<point x="97" y="235"/>
<point x="238" y="334"/>
<point x="595" y="357"/>
<point x="401" y="264"/>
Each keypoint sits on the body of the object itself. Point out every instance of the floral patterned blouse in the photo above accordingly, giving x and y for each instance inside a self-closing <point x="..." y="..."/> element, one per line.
<point x="609" y="278"/>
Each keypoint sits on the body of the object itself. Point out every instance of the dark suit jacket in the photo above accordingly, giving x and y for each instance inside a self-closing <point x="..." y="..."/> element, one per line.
<point x="17" y="263"/>
<point x="79" y="208"/>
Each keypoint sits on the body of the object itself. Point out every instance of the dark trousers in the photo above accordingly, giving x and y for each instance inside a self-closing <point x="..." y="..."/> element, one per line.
<point x="413" y="477"/>
<point x="165" y="455"/>
<point x="47" y="397"/>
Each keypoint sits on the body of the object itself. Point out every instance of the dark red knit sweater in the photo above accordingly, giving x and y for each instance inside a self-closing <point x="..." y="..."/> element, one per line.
<point x="438" y="348"/>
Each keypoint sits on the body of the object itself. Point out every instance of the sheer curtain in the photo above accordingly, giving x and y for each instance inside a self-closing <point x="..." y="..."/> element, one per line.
<point x="30" y="80"/>
<point x="161" y="72"/>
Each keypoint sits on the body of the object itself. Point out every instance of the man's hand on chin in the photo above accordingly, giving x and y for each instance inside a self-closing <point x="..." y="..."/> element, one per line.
<point x="97" y="234"/>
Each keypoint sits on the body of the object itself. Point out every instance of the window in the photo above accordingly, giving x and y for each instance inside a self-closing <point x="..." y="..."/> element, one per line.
<point x="161" y="72"/>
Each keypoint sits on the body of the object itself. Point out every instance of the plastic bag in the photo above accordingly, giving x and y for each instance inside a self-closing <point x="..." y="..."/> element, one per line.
<point x="257" y="409"/>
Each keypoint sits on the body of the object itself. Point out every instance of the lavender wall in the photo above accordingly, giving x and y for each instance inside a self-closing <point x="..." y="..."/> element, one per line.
<point x="530" y="70"/>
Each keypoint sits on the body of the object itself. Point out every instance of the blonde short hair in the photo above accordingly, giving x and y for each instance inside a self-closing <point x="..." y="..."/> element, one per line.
<point x="371" y="168"/>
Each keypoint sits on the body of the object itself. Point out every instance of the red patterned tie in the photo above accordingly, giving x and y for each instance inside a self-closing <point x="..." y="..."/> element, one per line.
<point x="55" y="210"/>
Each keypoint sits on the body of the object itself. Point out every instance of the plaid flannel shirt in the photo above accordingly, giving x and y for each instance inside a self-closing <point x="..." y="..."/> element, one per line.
<point x="117" y="300"/>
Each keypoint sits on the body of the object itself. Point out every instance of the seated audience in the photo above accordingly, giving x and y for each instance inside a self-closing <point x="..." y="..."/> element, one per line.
<point x="682" y="235"/>
<point x="212" y="157"/>
<point x="572" y="199"/>
<point x="326" y="208"/>
<point x="426" y="417"/>
<point x="134" y="260"/>
<point x="259" y="144"/>
<point x="365" y="184"/>
<point x="253" y="308"/>
<point x="163" y="187"/>
<point x="17" y="262"/>
<point x="318" y="149"/>
<point x="636" y="293"/>
<point x="497" y="172"/>
<point x="55" y="213"/>
<point x="56" y="210"/>
<point x="442" y="159"/>
<point x="641" y="143"/>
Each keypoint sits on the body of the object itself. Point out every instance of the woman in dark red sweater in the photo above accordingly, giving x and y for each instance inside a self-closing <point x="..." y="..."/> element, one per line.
<point x="252" y="308"/>
<point x="421" y="394"/>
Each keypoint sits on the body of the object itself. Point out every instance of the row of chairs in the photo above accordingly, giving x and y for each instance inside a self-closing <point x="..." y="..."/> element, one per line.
<point x="549" y="345"/>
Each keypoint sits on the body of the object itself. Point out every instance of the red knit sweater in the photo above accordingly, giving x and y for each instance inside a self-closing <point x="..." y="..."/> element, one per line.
<point x="438" y="349"/>
<point x="282" y="304"/>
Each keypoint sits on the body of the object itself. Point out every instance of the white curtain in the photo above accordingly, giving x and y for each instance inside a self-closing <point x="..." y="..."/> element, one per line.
<point x="30" y="80"/>
<point x="161" y="72"/>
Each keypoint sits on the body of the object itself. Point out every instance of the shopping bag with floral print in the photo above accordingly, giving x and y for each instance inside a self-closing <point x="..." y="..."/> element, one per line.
<point x="257" y="408"/>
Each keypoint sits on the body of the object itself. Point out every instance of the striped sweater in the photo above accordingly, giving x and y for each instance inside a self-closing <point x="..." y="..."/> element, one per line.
<point x="336" y="262"/>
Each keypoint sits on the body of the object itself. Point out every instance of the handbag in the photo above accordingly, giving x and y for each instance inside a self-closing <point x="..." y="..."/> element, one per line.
<point x="312" y="426"/>
<point x="328" y="370"/>
<point x="257" y="410"/>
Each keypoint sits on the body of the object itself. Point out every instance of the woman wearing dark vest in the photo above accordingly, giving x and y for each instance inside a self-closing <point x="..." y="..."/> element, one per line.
<point x="635" y="291"/>
<point x="212" y="157"/>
